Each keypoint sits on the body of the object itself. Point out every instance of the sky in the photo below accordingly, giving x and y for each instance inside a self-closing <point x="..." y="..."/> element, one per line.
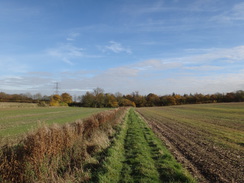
<point x="149" y="46"/>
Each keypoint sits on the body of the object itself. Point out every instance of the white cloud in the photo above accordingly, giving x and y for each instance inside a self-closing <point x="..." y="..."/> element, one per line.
<point x="204" y="70"/>
<point x="67" y="61"/>
<point x="140" y="9"/>
<point x="66" y="52"/>
<point x="25" y="83"/>
<point x="11" y="65"/>
<point x="116" y="48"/>
<point x="235" y="54"/>
<point x="72" y="36"/>
<point x="122" y="72"/>
<point x="12" y="11"/>
<point x="235" y="14"/>
<point x="238" y="11"/>
<point x="152" y="8"/>
<point x="157" y="65"/>
<point x="206" y="84"/>
<point x="206" y="5"/>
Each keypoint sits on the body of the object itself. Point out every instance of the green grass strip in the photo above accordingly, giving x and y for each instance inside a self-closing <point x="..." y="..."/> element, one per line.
<point x="113" y="163"/>
<point x="137" y="155"/>
<point x="139" y="165"/>
<point x="169" y="169"/>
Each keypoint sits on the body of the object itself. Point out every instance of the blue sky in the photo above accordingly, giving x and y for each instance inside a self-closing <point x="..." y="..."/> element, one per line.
<point x="150" y="46"/>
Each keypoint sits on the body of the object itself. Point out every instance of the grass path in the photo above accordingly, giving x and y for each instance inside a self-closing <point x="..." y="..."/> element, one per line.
<point x="136" y="155"/>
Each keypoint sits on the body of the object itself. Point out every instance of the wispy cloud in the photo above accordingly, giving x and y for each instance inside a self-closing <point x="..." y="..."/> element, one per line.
<point x="66" y="52"/>
<point x="204" y="70"/>
<point x="12" y="11"/>
<point x="159" y="6"/>
<point x="206" y="5"/>
<point x="115" y="47"/>
<point x="236" y="13"/>
<point x="151" y="8"/>
<point x="11" y="65"/>
<point x="72" y="36"/>
<point x="235" y="54"/>
<point x="157" y="65"/>
<point x="122" y="72"/>
<point x="25" y="83"/>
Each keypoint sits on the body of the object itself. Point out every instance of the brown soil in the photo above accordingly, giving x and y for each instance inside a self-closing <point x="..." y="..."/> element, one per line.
<point x="192" y="147"/>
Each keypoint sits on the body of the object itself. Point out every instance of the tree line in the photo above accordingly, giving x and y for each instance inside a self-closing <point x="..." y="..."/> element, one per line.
<point x="98" y="99"/>
<point x="54" y="100"/>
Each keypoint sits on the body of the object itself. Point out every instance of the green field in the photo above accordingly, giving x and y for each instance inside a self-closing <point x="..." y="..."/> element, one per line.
<point x="16" y="120"/>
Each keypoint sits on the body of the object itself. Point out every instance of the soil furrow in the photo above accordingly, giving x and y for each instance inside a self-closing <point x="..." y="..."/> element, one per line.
<point x="214" y="163"/>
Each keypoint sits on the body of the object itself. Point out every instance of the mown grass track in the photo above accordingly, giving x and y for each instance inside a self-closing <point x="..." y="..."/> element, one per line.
<point x="210" y="136"/>
<point x="138" y="156"/>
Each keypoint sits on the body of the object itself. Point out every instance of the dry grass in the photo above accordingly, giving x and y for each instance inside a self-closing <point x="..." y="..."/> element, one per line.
<point x="17" y="105"/>
<point x="58" y="153"/>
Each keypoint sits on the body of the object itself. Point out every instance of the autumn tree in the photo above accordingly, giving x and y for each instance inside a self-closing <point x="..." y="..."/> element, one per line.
<point x="118" y="97"/>
<point x="66" y="98"/>
<point x="110" y="100"/>
<point x="94" y="99"/>
<point x="63" y="100"/>
<point x="88" y="99"/>
<point x="139" y="100"/>
<point x="127" y="103"/>
<point x="152" y="100"/>
<point x="239" y="95"/>
<point x="229" y="97"/>
<point x="98" y="97"/>
<point x="219" y="97"/>
<point x="199" y="98"/>
<point x="171" y="100"/>
<point x="55" y="100"/>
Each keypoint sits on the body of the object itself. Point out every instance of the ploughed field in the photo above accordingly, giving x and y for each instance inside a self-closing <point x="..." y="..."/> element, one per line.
<point x="207" y="138"/>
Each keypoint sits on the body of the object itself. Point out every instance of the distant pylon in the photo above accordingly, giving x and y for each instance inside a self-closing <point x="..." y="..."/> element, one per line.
<point x="56" y="88"/>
